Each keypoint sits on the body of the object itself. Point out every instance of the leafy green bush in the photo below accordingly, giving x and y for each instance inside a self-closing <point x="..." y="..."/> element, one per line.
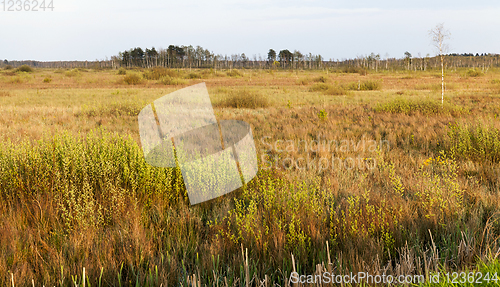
<point x="25" y="68"/>
<point x="322" y="115"/>
<point x="246" y="99"/>
<point x="132" y="79"/>
<point x="424" y="107"/>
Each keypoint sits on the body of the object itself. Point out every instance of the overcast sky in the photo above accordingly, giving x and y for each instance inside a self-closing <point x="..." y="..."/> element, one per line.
<point x="96" y="29"/>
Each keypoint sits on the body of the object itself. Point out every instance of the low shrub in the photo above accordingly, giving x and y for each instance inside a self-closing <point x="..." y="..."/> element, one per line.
<point x="122" y="71"/>
<point x="132" y="79"/>
<point x="72" y="73"/>
<point x="478" y="142"/>
<point x="25" y="68"/>
<point x="8" y="67"/>
<point x="47" y="80"/>
<point x="474" y="73"/>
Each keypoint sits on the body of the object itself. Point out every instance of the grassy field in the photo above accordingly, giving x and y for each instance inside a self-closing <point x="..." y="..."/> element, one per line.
<point x="357" y="173"/>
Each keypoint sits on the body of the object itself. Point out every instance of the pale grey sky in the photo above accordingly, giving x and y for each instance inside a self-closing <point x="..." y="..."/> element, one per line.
<point x="93" y="29"/>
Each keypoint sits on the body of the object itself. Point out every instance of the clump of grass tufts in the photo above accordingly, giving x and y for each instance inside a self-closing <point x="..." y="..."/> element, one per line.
<point x="171" y="81"/>
<point x="474" y="73"/>
<point x="321" y="79"/>
<point x="246" y="99"/>
<point x="423" y="107"/>
<point x="25" y="68"/>
<point x="320" y="87"/>
<point x="5" y="94"/>
<point x="234" y="73"/>
<point x="47" y="80"/>
<point x="193" y="76"/>
<point x="495" y="81"/>
<point x="368" y="85"/>
<point x="132" y="79"/>
<point x="159" y="72"/>
<point x="328" y="89"/>
<point x="72" y="73"/>
<point x="122" y="71"/>
<point x="302" y="81"/>
<point x="353" y="70"/>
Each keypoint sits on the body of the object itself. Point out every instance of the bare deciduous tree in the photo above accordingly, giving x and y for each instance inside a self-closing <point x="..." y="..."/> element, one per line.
<point x="439" y="35"/>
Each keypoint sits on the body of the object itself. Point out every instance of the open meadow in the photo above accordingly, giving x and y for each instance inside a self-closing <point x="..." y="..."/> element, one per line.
<point x="357" y="172"/>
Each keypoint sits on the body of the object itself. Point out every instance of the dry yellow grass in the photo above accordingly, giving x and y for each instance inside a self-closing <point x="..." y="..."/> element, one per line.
<point x="424" y="179"/>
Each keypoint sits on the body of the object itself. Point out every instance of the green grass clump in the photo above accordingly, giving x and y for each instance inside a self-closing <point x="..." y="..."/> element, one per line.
<point x="423" y="107"/>
<point x="246" y="99"/>
<point x="478" y="142"/>
<point x="25" y="68"/>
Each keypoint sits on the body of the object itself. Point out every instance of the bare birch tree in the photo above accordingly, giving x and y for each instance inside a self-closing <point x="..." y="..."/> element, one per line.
<point x="439" y="35"/>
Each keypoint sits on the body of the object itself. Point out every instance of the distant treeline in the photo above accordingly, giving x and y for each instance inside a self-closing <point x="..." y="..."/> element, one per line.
<point x="198" y="57"/>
